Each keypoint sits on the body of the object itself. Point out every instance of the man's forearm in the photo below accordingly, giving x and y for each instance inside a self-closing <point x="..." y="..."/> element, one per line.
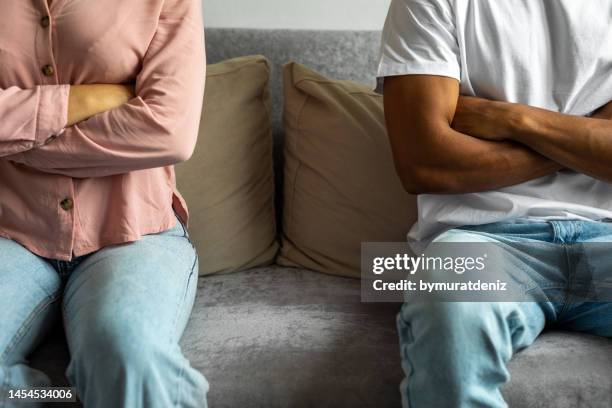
<point x="466" y="164"/>
<point x="432" y="157"/>
<point x="579" y="143"/>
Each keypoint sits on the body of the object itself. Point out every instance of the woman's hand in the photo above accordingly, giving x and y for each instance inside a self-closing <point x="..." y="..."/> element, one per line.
<point x="88" y="100"/>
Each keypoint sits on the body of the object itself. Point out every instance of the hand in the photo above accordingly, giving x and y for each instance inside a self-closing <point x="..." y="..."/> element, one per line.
<point x="605" y="112"/>
<point x="88" y="100"/>
<point x="484" y="119"/>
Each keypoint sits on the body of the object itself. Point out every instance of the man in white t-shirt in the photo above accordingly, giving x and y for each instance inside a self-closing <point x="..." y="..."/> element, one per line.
<point x="499" y="118"/>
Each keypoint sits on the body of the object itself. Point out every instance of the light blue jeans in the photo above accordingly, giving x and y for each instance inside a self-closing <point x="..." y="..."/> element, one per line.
<point x="454" y="354"/>
<point x="124" y="309"/>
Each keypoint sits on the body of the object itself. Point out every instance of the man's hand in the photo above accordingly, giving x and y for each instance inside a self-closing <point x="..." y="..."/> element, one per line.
<point x="494" y="120"/>
<point x="582" y="144"/>
<point x="605" y="112"/>
<point x="485" y="119"/>
<point x="88" y="100"/>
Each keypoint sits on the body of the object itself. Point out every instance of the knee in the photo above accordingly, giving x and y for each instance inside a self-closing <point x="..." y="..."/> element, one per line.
<point x="128" y="356"/>
<point x="450" y="319"/>
<point x="114" y="348"/>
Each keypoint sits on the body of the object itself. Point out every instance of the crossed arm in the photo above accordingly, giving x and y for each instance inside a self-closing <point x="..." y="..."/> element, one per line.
<point x="445" y="143"/>
<point x="104" y="129"/>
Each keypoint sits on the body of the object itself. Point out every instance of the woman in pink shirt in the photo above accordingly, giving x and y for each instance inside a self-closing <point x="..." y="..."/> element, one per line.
<point x="98" y="101"/>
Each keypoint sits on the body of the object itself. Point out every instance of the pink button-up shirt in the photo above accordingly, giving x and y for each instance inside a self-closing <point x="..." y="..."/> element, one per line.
<point x="66" y="191"/>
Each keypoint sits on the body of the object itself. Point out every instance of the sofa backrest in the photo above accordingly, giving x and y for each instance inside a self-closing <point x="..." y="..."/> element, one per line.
<point x="336" y="54"/>
<point x="348" y="55"/>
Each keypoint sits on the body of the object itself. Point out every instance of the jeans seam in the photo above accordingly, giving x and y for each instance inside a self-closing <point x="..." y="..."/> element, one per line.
<point x="65" y="323"/>
<point x="592" y="284"/>
<point x="178" y="312"/>
<point x="183" y="227"/>
<point x="185" y="231"/>
<point x="4" y="386"/>
<point x="178" y="220"/>
<point x="568" y="287"/>
<point x="405" y="356"/>
<point x="28" y="322"/>
<point x="182" y="300"/>
<point x="191" y="275"/>
<point x="181" y="376"/>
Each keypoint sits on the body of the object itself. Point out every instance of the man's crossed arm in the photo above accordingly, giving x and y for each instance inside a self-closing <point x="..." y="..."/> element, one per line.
<point x="444" y="143"/>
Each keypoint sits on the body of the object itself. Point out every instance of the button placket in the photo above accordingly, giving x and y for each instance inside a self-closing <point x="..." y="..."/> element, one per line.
<point x="45" y="44"/>
<point x="48" y="70"/>
<point x="50" y="76"/>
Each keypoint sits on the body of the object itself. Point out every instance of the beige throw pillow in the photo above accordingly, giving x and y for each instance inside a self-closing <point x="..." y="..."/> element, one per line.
<point x="228" y="183"/>
<point x="341" y="188"/>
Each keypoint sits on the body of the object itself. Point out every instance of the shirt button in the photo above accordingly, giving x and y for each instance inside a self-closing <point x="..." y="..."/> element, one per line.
<point x="48" y="70"/>
<point x="67" y="204"/>
<point x="45" y="21"/>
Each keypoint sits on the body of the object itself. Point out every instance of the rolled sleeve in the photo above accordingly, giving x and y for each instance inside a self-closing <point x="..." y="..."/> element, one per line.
<point x="28" y="117"/>
<point x="52" y="115"/>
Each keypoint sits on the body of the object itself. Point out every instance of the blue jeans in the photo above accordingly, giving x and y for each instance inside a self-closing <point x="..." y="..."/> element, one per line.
<point x="124" y="309"/>
<point x="454" y="354"/>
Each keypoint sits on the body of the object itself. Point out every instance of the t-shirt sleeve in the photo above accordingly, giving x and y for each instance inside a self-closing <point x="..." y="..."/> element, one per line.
<point x="419" y="37"/>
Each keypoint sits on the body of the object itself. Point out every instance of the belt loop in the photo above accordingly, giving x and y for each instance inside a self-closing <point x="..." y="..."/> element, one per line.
<point x="557" y="232"/>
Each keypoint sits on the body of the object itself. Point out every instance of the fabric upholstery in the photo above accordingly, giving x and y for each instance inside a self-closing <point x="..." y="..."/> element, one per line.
<point x="562" y="370"/>
<point x="337" y="54"/>
<point x="292" y="338"/>
<point x="228" y="183"/>
<point x="334" y="53"/>
<point x="341" y="188"/>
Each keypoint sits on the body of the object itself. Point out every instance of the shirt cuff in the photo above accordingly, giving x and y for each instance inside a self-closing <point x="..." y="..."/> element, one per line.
<point x="52" y="112"/>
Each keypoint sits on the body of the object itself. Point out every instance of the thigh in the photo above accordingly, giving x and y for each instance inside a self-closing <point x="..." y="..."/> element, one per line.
<point x="590" y="307"/>
<point x="591" y="261"/>
<point x="147" y="285"/>
<point x="29" y="295"/>
<point x="533" y="270"/>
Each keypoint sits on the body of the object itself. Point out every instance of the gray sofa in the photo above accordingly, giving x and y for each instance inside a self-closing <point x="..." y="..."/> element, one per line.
<point x="281" y="337"/>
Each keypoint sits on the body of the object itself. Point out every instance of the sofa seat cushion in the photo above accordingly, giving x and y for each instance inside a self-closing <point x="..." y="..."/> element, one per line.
<point x="562" y="370"/>
<point x="275" y="337"/>
<point x="282" y="337"/>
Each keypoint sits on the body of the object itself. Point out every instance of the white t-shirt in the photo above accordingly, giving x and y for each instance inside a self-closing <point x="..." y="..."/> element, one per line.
<point x="553" y="54"/>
